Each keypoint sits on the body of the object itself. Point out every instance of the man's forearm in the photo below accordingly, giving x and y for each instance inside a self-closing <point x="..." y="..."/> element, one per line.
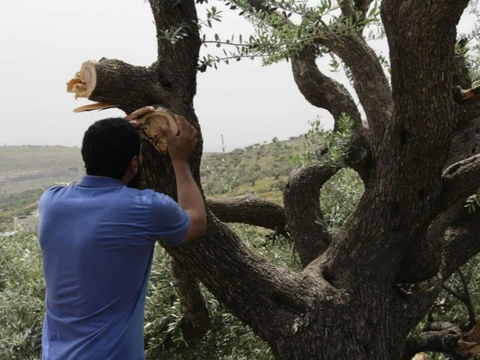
<point x="189" y="196"/>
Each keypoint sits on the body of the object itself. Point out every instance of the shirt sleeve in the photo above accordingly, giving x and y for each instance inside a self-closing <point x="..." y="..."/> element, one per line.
<point x="46" y="198"/>
<point x="169" y="221"/>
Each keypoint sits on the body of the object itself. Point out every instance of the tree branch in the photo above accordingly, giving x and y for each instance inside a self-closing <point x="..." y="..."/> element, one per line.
<point x="195" y="318"/>
<point x="435" y="337"/>
<point x="419" y="74"/>
<point x="362" y="5"/>
<point x="359" y="5"/>
<point x="460" y="180"/>
<point x="445" y="338"/>
<point x="324" y="92"/>
<point x="317" y="88"/>
<point x="470" y="109"/>
<point x="114" y="82"/>
<point x="249" y="210"/>
<point x="461" y="241"/>
<point x="232" y="272"/>
<point x="346" y="7"/>
<point x="423" y="260"/>
<point x="304" y="217"/>
<point x="416" y="127"/>
<point x="321" y="90"/>
<point x="369" y="79"/>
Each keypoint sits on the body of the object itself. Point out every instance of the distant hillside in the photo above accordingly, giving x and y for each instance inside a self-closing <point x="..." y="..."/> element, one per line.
<point x="259" y="167"/>
<point x="263" y="168"/>
<point x="24" y="168"/>
<point x="17" y="204"/>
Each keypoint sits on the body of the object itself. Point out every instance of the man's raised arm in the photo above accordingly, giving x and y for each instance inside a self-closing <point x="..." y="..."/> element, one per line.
<point x="190" y="199"/>
<point x="189" y="196"/>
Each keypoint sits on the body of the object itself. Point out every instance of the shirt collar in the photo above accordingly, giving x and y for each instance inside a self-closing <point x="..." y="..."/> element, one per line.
<point x="99" y="181"/>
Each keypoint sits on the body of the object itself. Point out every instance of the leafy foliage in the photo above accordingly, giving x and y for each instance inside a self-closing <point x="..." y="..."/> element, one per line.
<point x="281" y="30"/>
<point x="473" y="201"/>
<point x="17" y="204"/>
<point x="340" y="197"/>
<point x="21" y="297"/>
<point x="228" y="338"/>
<point x="471" y="48"/>
<point x="337" y="143"/>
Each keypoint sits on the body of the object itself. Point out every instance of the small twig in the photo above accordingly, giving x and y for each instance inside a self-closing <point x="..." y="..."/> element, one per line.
<point x="226" y="43"/>
<point x="467" y="299"/>
<point x="453" y="293"/>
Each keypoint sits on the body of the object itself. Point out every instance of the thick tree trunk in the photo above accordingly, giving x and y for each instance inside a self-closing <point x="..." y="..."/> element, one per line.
<point x="342" y="343"/>
<point x="366" y="325"/>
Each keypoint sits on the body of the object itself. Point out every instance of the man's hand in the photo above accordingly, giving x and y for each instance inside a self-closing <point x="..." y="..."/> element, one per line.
<point x="181" y="146"/>
<point x="132" y="118"/>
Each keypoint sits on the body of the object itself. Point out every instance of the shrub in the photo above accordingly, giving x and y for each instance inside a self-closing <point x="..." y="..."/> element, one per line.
<point x="21" y="297"/>
<point x="278" y="185"/>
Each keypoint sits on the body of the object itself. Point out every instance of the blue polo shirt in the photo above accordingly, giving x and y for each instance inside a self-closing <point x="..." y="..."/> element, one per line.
<point x="97" y="239"/>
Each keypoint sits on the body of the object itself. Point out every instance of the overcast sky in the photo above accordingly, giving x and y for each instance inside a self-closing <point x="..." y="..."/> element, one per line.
<point x="43" y="44"/>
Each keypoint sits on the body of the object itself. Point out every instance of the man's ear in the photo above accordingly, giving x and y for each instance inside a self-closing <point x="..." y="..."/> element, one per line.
<point x="134" y="164"/>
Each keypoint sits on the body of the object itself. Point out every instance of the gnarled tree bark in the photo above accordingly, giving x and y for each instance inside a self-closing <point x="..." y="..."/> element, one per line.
<point x="302" y="211"/>
<point x="436" y="337"/>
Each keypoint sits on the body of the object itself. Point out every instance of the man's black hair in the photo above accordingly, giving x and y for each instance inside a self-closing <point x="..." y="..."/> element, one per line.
<point x="108" y="147"/>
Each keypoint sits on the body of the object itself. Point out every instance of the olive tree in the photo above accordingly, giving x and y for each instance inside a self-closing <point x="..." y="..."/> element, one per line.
<point x="364" y="288"/>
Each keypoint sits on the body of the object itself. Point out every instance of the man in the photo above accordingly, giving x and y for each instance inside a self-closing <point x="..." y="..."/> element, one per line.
<point x="97" y="239"/>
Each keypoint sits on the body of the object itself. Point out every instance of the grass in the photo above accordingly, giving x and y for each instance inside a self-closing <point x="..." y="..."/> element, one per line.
<point x="263" y="188"/>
